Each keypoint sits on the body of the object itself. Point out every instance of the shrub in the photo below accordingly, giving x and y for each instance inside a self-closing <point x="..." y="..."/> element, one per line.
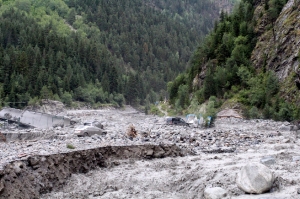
<point x="147" y="110"/>
<point x="285" y="113"/>
<point x="33" y="101"/>
<point x="211" y="112"/>
<point x="70" y="146"/>
<point x="67" y="98"/>
<point x="268" y="112"/>
<point x="194" y="107"/>
<point x="253" y="112"/>
<point x="155" y="111"/>
<point x="119" y="99"/>
<point x="56" y="97"/>
<point x="200" y="96"/>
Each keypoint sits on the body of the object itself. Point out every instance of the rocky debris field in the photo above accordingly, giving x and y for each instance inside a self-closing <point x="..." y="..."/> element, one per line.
<point x="219" y="155"/>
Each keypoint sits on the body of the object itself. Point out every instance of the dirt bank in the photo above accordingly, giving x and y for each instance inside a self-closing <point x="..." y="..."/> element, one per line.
<point x="36" y="175"/>
<point x="185" y="177"/>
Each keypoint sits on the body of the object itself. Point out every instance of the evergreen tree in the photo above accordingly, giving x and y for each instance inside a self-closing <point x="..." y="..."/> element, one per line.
<point x="105" y="83"/>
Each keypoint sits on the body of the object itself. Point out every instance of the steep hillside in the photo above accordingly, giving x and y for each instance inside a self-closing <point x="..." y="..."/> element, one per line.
<point x="249" y="61"/>
<point x="279" y="50"/>
<point x="97" y="51"/>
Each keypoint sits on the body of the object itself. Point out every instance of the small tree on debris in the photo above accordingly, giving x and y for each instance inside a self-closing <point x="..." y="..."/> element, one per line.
<point x="131" y="132"/>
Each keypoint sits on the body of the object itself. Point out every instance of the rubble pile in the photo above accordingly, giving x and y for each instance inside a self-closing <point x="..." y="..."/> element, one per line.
<point x="148" y="130"/>
<point x="233" y="140"/>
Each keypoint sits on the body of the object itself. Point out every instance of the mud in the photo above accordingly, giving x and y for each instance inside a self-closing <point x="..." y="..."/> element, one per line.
<point x="36" y="175"/>
<point x="183" y="177"/>
<point x="217" y="155"/>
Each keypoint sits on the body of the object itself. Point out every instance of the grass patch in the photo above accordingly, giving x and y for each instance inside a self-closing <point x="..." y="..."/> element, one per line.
<point x="70" y="146"/>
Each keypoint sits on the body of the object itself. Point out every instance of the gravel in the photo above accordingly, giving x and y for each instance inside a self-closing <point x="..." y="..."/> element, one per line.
<point x="219" y="153"/>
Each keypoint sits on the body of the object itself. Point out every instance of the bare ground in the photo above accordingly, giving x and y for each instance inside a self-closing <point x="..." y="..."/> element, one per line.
<point x="187" y="177"/>
<point x="219" y="154"/>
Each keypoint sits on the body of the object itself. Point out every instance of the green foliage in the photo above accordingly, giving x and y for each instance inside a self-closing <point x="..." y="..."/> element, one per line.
<point x="173" y="87"/>
<point x="70" y="146"/>
<point x="119" y="99"/>
<point x="71" y="16"/>
<point x="57" y="49"/>
<point x="211" y="110"/>
<point x="285" y="112"/>
<point x="183" y="96"/>
<point x="23" y="5"/>
<point x="224" y="58"/>
<point x="225" y="49"/>
<point x="254" y="112"/>
<point x="260" y="89"/>
<point x="33" y="101"/>
<point x="194" y="106"/>
<point x="45" y="93"/>
<point x="155" y="110"/>
<point x="67" y="98"/>
<point x="56" y="97"/>
<point x="245" y="75"/>
<point x="268" y="112"/>
<point x="274" y="8"/>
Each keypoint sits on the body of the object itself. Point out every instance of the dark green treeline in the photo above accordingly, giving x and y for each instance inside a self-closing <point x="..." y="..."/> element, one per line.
<point x="97" y="51"/>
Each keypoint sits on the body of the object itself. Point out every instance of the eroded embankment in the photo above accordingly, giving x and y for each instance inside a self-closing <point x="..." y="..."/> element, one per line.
<point x="36" y="175"/>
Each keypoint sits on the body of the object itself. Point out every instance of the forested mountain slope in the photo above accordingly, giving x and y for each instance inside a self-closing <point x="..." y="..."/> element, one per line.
<point x="277" y="49"/>
<point x="249" y="60"/>
<point x="97" y="51"/>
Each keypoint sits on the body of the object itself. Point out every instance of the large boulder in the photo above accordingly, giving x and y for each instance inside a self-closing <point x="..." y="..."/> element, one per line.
<point x="216" y="193"/>
<point x="255" y="178"/>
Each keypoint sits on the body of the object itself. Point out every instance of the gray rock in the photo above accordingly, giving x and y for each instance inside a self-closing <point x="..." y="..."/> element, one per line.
<point x="1" y="186"/>
<point x="268" y="160"/>
<point x="216" y="193"/>
<point x="18" y="167"/>
<point x="286" y="141"/>
<point x="150" y="152"/>
<point x="285" y="128"/>
<point x="255" y="178"/>
<point x="294" y="128"/>
<point x="296" y="158"/>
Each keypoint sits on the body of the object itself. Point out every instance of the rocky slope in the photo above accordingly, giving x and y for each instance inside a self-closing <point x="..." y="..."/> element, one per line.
<point x="279" y="51"/>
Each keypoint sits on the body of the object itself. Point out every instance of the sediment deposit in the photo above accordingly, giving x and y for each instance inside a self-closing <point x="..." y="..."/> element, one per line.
<point x="199" y="158"/>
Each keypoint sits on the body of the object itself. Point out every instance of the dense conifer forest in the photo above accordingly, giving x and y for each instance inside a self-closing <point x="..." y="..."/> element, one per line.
<point x="97" y="51"/>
